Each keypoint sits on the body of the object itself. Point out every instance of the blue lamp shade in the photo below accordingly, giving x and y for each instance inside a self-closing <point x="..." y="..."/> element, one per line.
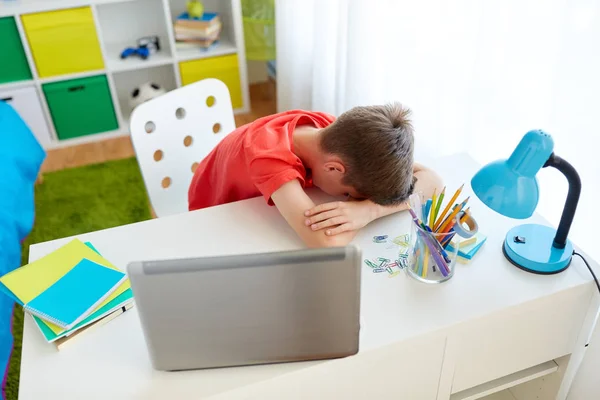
<point x="510" y="187"/>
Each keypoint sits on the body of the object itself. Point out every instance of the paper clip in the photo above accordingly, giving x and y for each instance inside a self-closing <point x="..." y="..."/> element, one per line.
<point x="402" y="239"/>
<point x="380" y="239"/>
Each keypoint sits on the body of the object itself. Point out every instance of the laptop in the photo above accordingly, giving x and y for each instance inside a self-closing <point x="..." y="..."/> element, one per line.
<point x="249" y="309"/>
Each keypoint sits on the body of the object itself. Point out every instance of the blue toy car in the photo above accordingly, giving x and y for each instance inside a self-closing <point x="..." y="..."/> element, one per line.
<point x="142" y="52"/>
<point x="146" y="46"/>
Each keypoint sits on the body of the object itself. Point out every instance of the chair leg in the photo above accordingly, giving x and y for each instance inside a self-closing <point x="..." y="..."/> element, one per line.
<point x="152" y="213"/>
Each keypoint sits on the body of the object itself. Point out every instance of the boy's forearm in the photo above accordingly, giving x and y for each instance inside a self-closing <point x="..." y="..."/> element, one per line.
<point x="381" y="211"/>
<point x="427" y="181"/>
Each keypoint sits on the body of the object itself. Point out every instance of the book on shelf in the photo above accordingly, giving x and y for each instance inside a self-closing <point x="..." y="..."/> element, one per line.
<point x="196" y="44"/>
<point x="207" y="20"/>
<point x="201" y="33"/>
<point x="212" y="31"/>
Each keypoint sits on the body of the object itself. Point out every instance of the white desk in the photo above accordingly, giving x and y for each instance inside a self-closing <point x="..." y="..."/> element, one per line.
<point x="417" y="341"/>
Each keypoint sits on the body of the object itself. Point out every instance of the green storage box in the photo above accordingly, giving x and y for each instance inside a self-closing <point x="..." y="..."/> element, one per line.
<point x="14" y="66"/>
<point x="81" y="106"/>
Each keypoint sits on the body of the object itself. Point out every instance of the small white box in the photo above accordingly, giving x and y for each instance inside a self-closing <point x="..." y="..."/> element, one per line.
<point x="27" y="104"/>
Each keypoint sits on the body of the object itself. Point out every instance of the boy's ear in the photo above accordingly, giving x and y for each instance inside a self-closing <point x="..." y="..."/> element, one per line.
<point x="334" y="166"/>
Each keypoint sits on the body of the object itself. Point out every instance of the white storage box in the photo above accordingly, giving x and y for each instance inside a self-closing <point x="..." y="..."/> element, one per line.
<point x="26" y="102"/>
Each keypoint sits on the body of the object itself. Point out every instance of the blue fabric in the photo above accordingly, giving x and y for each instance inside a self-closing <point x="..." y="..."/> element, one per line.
<point x="21" y="157"/>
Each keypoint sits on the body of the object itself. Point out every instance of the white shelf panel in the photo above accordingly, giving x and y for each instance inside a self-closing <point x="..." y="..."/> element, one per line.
<point x="114" y="63"/>
<point x="500" y="384"/>
<point x="72" y="76"/>
<point x="15" y="7"/>
<point x="16" y="84"/>
<point x="503" y="395"/>
<point x="224" y="47"/>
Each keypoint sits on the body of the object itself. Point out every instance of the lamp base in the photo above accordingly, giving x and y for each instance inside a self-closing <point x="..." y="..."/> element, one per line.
<point x="530" y="248"/>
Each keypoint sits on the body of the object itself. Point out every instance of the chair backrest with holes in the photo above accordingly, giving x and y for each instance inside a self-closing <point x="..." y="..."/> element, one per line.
<point x="174" y="132"/>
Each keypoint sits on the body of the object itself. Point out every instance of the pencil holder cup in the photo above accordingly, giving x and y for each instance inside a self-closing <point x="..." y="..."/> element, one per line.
<point x="429" y="260"/>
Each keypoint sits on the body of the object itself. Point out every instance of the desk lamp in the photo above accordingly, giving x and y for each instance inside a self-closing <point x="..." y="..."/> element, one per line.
<point x="510" y="188"/>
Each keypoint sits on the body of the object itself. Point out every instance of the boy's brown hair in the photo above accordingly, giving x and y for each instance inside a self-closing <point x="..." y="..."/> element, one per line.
<point x="376" y="145"/>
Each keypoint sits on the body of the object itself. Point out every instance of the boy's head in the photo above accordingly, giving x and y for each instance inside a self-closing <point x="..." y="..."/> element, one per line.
<point x="368" y="153"/>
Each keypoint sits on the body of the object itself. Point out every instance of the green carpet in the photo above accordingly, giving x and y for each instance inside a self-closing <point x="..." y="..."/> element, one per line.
<point x="76" y="201"/>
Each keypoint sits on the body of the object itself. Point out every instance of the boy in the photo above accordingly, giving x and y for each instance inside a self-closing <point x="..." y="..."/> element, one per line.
<point x="366" y="155"/>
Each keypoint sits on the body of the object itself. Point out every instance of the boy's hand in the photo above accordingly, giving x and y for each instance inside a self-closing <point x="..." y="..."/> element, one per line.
<point x="340" y="216"/>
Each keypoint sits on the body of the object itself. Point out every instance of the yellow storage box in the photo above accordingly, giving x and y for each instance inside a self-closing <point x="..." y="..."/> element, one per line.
<point x="224" y="68"/>
<point x="63" y="42"/>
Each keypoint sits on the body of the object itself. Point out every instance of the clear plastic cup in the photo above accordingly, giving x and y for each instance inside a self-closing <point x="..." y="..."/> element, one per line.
<point x="430" y="259"/>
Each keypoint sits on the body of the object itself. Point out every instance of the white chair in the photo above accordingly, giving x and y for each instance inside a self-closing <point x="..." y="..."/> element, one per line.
<point x="172" y="133"/>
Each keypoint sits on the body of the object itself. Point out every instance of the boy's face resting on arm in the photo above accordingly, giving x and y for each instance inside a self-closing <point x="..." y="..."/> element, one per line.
<point x="366" y="155"/>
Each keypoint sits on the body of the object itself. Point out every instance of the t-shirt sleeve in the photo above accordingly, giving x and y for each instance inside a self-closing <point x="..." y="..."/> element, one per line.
<point x="269" y="156"/>
<point x="269" y="173"/>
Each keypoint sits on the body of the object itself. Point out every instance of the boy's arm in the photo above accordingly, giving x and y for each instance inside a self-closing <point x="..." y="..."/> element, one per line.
<point x="427" y="181"/>
<point x="292" y="202"/>
<point x="352" y="215"/>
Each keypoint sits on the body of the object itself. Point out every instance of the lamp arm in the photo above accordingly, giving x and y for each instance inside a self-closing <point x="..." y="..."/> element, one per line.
<point x="560" y="240"/>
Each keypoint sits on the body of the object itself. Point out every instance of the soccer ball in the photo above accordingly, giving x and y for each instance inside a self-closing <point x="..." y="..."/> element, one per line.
<point x="144" y="93"/>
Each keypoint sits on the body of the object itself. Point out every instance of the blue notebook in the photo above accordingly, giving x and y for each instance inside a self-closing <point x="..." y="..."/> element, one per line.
<point x="206" y="17"/>
<point x="76" y="294"/>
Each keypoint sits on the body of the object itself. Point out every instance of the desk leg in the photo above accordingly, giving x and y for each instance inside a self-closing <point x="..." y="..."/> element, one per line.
<point x="451" y="352"/>
<point x="585" y="334"/>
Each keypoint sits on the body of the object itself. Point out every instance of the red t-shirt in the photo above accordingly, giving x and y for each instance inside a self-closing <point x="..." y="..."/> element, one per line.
<point x="253" y="160"/>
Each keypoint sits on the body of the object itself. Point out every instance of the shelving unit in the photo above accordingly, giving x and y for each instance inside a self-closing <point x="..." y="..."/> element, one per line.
<point x="127" y="80"/>
<point x="225" y="47"/>
<point x="113" y="26"/>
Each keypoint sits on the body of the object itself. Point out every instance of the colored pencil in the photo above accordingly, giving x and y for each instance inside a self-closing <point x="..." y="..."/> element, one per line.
<point x="437" y="243"/>
<point x="437" y="257"/>
<point x="438" y="230"/>
<point x="437" y="207"/>
<point x="448" y="239"/>
<point x="425" y="264"/>
<point x="457" y="209"/>
<point x="429" y="233"/>
<point x="450" y="203"/>
<point x="464" y="217"/>
<point x="426" y="213"/>
<point x="432" y="212"/>
<point x="453" y="223"/>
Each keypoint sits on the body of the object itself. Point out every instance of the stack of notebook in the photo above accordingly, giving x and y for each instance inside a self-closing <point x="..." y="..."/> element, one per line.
<point x="69" y="291"/>
<point x="197" y="32"/>
<point x="467" y="248"/>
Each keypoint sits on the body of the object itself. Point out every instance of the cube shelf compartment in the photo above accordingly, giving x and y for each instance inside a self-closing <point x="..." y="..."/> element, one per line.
<point x="127" y="81"/>
<point x="63" y="42"/>
<point x="14" y="66"/>
<point x="81" y="106"/>
<point x="65" y="74"/>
